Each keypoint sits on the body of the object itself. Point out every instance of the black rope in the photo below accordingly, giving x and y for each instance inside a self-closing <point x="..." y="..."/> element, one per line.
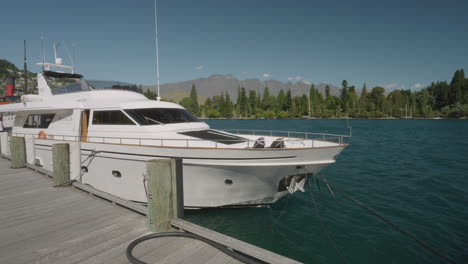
<point x="324" y="227"/>
<point x="91" y="157"/>
<point x="422" y="243"/>
<point x="282" y="211"/>
<point x="236" y="255"/>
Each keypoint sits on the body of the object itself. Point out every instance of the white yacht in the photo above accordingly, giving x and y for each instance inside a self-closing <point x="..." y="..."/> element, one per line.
<point x="118" y="129"/>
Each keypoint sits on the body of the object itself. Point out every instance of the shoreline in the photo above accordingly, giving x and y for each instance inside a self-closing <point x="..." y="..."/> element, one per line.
<point x="338" y="118"/>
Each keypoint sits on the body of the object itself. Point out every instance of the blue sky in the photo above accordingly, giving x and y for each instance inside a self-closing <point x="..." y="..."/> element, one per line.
<point x="394" y="44"/>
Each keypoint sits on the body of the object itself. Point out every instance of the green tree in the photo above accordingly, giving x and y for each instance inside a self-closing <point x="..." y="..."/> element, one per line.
<point x="268" y="101"/>
<point x="289" y="101"/>
<point x="253" y="102"/>
<point x="281" y="101"/>
<point x="228" y="107"/>
<point x="377" y="98"/>
<point x="456" y="87"/>
<point x="188" y="104"/>
<point x="242" y="103"/>
<point x="344" y="97"/>
<point x="194" y="97"/>
<point x="353" y="101"/>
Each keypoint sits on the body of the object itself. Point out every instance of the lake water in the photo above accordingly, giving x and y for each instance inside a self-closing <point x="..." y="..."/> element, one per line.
<point x="414" y="172"/>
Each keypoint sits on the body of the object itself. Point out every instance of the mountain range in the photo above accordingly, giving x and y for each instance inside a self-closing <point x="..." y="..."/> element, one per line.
<point x="217" y="84"/>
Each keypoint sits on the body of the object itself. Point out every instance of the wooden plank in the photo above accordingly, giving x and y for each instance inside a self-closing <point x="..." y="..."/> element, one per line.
<point x="220" y="258"/>
<point x="125" y="203"/>
<point x="79" y="213"/>
<point x="60" y="243"/>
<point x="163" y="251"/>
<point x="41" y="224"/>
<point x="202" y="255"/>
<point x="116" y="253"/>
<point x="142" y="249"/>
<point x="82" y="242"/>
<point x="233" y="243"/>
<point x="24" y="197"/>
<point x="90" y="252"/>
<point x="120" y="201"/>
<point x="30" y="214"/>
<point x="39" y="169"/>
<point x="182" y="253"/>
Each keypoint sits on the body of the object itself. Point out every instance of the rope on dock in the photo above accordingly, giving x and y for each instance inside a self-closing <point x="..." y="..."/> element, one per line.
<point x="381" y="217"/>
<point x="236" y="255"/>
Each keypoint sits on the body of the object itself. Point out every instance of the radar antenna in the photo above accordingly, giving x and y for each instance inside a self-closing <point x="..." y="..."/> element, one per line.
<point x="157" y="48"/>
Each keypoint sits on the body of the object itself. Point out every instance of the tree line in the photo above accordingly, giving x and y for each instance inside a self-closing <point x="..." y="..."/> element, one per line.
<point x="440" y="99"/>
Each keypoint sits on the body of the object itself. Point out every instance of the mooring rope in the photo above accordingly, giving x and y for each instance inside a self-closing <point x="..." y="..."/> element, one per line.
<point x="90" y="157"/>
<point x="381" y="217"/>
<point x="324" y="227"/>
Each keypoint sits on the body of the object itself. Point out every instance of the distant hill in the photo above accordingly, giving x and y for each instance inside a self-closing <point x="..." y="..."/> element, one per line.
<point x="217" y="84"/>
<point x="8" y="69"/>
<point x="206" y="87"/>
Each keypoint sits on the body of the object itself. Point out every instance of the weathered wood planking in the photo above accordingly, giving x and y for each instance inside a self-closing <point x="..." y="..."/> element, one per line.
<point x="43" y="224"/>
<point x="233" y="243"/>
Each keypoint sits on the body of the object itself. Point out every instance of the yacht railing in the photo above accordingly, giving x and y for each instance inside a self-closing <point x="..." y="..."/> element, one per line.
<point x="286" y="139"/>
<point x="294" y="134"/>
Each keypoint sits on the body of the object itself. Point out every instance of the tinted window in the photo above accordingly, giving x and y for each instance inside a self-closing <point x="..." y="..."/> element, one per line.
<point x="38" y="121"/>
<point x="111" y="118"/>
<point x="155" y="116"/>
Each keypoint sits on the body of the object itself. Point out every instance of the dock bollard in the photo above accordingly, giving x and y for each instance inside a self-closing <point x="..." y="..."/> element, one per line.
<point x="61" y="164"/>
<point x="165" y="193"/>
<point x="17" y="152"/>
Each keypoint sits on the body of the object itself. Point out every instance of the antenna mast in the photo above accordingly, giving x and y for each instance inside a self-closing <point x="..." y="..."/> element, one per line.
<point x="157" y="48"/>
<point x="43" y="53"/>
<point x="25" y="70"/>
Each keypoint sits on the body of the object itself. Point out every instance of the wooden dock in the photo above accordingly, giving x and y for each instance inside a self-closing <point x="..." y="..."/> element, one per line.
<point x="44" y="224"/>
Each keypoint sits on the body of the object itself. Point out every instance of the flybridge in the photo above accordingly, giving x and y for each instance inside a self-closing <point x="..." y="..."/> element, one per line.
<point x="62" y="75"/>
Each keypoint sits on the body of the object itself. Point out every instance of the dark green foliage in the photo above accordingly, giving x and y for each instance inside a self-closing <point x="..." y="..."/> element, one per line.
<point x="150" y="94"/>
<point x="438" y="99"/>
<point x="7" y="69"/>
<point x="195" y="106"/>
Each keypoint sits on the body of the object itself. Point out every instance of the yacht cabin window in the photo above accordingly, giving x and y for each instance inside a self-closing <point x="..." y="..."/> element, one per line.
<point x="158" y="116"/>
<point x="113" y="117"/>
<point x="38" y="121"/>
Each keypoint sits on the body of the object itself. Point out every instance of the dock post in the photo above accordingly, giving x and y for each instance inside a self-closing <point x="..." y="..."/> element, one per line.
<point x="61" y="164"/>
<point x="4" y="143"/>
<point x="75" y="160"/>
<point x="30" y="149"/>
<point x="17" y="152"/>
<point x="165" y="193"/>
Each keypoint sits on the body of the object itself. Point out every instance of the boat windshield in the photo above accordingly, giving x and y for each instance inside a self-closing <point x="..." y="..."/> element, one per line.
<point x="72" y="85"/>
<point x="66" y="85"/>
<point x="114" y="85"/>
<point x="159" y="116"/>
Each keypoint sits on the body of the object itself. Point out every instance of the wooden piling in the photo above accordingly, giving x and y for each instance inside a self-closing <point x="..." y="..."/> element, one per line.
<point x="17" y="152"/>
<point x="165" y="193"/>
<point x="4" y="143"/>
<point x="61" y="164"/>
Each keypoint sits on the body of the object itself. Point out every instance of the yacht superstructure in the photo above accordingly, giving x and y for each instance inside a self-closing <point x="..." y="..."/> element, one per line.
<point x="118" y="129"/>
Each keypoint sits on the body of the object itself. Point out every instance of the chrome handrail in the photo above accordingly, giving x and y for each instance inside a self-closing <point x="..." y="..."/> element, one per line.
<point x="339" y="139"/>
<point x="254" y="132"/>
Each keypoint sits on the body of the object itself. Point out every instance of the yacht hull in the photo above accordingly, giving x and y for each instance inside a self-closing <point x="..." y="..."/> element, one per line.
<point x="223" y="177"/>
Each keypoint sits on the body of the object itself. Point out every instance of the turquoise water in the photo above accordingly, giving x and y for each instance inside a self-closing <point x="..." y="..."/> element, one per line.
<point x="414" y="172"/>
